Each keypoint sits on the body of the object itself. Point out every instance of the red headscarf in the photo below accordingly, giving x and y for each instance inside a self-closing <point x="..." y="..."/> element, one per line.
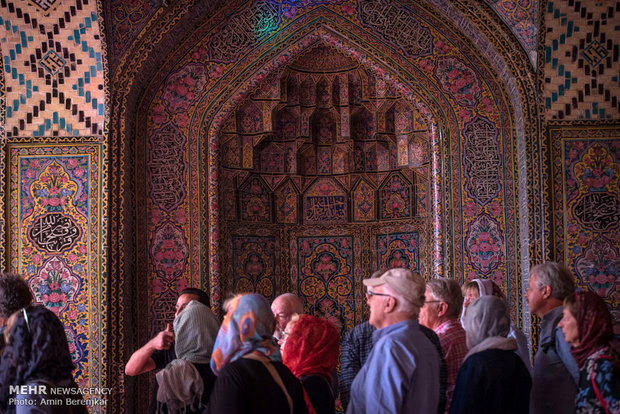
<point x="312" y="347"/>
<point x="596" y="328"/>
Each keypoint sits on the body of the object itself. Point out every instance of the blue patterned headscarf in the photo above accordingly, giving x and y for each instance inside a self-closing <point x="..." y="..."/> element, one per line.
<point x="247" y="327"/>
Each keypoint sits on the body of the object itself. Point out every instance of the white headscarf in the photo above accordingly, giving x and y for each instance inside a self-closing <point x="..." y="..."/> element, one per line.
<point x="180" y="383"/>
<point x="486" y="325"/>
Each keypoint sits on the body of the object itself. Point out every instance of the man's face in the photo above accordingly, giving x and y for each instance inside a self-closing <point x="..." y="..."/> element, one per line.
<point x="376" y="298"/>
<point x="429" y="316"/>
<point x="534" y="295"/>
<point x="282" y="313"/>
<point x="182" y="302"/>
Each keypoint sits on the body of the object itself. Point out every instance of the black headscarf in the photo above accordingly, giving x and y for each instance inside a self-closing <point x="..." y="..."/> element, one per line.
<point x="37" y="350"/>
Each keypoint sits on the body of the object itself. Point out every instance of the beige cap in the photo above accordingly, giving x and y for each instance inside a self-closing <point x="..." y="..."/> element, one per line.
<point x="408" y="284"/>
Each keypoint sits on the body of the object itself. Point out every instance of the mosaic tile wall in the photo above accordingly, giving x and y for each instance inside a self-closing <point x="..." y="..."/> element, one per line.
<point x="587" y="207"/>
<point x="53" y="112"/>
<point x="56" y="203"/>
<point x="52" y="57"/>
<point x="125" y="21"/>
<point x="481" y="204"/>
<point x="581" y="60"/>
<point x="523" y="19"/>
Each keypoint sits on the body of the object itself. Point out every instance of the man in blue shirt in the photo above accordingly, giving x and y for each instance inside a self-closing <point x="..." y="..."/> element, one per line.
<point x="402" y="373"/>
<point x="554" y="383"/>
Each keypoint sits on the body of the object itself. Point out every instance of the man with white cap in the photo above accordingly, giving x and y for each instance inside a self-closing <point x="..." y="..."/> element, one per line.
<point x="401" y="374"/>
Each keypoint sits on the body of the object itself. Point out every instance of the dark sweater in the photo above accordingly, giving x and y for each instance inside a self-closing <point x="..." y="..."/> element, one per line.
<point x="492" y="381"/>
<point x="246" y="386"/>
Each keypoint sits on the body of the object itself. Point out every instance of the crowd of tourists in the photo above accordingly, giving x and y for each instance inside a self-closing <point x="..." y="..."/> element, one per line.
<point x="428" y="347"/>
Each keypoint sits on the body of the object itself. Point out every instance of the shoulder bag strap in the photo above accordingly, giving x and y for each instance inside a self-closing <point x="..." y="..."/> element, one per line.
<point x="274" y="373"/>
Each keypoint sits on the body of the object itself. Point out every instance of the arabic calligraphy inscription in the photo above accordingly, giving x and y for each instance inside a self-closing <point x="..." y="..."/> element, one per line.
<point x="54" y="232"/>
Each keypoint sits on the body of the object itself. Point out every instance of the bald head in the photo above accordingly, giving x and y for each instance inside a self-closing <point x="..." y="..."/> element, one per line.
<point x="283" y="308"/>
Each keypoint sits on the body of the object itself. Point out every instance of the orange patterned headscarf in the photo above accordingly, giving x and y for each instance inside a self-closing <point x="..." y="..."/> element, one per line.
<point x="247" y="327"/>
<point x="312" y="348"/>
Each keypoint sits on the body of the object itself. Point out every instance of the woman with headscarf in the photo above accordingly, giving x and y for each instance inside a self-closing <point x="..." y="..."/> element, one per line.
<point x="311" y="353"/>
<point x="484" y="287"/>
<point x="587" y="325"/>
<point x="37" y="354"/>
<point x="493" y="378"/>
<point x="251" y="377"/>
<point x="185" y="384"/>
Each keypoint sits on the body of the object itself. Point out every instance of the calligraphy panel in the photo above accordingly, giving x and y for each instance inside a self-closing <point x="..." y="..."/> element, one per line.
<point x="591" y="176"/>
<point x="482" y="160"/>
<point x="397" y="26"/>
<point x="167" y="167"/>
<point x="325" y="202"/>
<point x="57" y="236"/>
<point x="242" y="30"/>
<point x="54" y="232"/>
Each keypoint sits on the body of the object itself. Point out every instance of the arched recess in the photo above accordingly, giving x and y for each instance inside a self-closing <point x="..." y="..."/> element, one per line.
<point x="133" y="93"/>
<point x="220" y="109"/>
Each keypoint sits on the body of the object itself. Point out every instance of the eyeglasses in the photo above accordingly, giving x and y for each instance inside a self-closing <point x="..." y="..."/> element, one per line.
<point x="26" y="319"/>
<point x="370" y="293"/>
<point x="433" y="301"/>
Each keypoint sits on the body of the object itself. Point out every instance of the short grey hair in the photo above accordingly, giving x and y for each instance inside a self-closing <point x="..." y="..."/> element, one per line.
<point x="403" y="304"/>
<point x="449" y="291"/>
<point x="556" y="276"/>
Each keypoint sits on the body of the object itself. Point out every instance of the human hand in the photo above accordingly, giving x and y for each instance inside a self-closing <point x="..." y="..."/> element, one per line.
<point x="164" y="339"/>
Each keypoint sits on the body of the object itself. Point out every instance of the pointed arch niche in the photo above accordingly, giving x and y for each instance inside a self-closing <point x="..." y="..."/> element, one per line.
<point x="397" y="122"/>
<point x="335" y="138"/>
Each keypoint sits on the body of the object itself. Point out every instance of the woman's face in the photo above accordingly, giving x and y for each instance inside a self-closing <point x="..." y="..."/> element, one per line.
<point x="569" y="327"/>
<point x="471" y="294"/>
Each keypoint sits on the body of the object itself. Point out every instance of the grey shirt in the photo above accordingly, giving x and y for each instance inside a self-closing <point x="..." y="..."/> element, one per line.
<point x="554" y="383"/>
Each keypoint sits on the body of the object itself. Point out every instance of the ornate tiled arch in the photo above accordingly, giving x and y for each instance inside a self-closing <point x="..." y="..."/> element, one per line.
<point x="216" y="115"/>
<point x="511" y="94"/>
